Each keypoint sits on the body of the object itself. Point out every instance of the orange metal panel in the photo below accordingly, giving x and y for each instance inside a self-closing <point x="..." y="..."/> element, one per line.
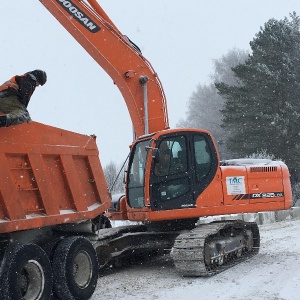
<point x="29" y="194"/>
<point x="266" y="180"/>
<point x="86" y="180"/>
<point x="212" y="196"/>
<point x="73" y="183"/>
<point x="48" y="177"/>
<point x="101" y="189"/>
<point x="11" y="207"/>
<point x="41" y="177"/>
<point x="56" y="182"/>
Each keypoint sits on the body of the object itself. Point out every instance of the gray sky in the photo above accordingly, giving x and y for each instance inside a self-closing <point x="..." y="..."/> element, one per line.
<point x="179" y="38"/>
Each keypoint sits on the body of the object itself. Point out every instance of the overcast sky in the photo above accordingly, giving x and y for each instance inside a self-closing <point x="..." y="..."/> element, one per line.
<point x="179" y="38"/>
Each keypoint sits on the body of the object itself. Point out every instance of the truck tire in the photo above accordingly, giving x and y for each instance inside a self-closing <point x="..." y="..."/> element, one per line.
<point x="26" y="273"/>
<point x="50" y="247"/>
<point x="75" y="269"/>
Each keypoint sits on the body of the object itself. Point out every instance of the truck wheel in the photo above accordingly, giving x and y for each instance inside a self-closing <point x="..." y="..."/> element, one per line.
<point x="26" y="273"/>
<point x="50" y="247"/>
<point x="75" y="269"/>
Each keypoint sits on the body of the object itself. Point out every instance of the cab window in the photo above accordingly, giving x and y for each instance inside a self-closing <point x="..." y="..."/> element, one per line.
<point x="172" y="157"/>
<point x="203" y="159"/>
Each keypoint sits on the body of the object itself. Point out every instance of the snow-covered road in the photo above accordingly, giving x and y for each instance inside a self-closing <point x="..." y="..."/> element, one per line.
<point x="274" y="274"/>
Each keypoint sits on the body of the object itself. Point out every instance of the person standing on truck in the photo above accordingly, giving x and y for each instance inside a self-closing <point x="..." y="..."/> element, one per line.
<point x="15" y="95"/>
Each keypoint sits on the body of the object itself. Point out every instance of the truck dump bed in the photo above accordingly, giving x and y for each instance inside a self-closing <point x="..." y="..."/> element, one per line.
<point x="48" y="176"/>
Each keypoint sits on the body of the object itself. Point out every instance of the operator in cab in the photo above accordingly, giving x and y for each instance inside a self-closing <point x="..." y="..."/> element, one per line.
<point x="162" y="165"/>
<point x="15" y="95"/>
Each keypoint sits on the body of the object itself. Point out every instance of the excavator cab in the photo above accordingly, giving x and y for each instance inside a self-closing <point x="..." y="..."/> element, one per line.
<point x="168" y="170"/>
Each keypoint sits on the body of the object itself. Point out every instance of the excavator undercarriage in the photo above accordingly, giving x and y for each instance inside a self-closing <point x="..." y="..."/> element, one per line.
<point x="202" y="251"/>
<point x="212" y="248"/>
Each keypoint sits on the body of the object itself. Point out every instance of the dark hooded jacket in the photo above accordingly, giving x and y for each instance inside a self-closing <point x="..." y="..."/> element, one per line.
<point x="26" y="86"/>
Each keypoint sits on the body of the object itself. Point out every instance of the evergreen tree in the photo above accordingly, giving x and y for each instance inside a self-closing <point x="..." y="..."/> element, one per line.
<point x="263" y="112"/>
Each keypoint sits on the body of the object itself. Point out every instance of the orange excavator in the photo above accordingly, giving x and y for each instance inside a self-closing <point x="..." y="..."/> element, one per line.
<point x="54" y="200"/>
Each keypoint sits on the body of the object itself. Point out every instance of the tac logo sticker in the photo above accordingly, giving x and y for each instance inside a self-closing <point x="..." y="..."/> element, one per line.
<point x="235" y="185"/>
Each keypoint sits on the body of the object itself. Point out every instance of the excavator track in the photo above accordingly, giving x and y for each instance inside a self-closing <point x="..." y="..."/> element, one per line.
<point x="212" y="248"/>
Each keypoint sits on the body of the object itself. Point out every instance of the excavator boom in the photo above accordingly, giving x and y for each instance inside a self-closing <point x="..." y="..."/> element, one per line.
<point x="119" y="57"/>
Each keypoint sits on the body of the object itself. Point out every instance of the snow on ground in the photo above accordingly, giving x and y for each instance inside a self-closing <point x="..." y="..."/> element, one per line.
<point x="273" y="274"/>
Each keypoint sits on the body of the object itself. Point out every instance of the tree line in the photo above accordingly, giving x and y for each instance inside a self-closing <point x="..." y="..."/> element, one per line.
<point x="253" y="102"/>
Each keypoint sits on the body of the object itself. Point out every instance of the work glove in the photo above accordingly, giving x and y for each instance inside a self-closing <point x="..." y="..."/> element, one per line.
<point x="3" y="121"/>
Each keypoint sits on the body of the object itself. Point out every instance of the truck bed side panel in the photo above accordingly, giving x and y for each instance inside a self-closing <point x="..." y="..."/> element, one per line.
<point x="48" y="176"/>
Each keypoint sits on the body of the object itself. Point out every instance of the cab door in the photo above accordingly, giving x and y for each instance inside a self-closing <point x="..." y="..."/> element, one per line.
<point x="181" y="171"/>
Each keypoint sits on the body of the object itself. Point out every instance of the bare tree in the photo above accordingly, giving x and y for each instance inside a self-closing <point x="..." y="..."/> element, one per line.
<point x="223" y="66"/>
<point x="205" y="104"/>
<point x="114" y="178"/>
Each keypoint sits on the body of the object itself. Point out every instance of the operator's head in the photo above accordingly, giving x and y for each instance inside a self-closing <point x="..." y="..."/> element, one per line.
<point x="165" y="151"/>
<point x="39" y="76"/>
<point x="164" y="146"/>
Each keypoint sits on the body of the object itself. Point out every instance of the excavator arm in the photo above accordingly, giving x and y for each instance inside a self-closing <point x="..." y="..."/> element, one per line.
<point x="119" y="57"/>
